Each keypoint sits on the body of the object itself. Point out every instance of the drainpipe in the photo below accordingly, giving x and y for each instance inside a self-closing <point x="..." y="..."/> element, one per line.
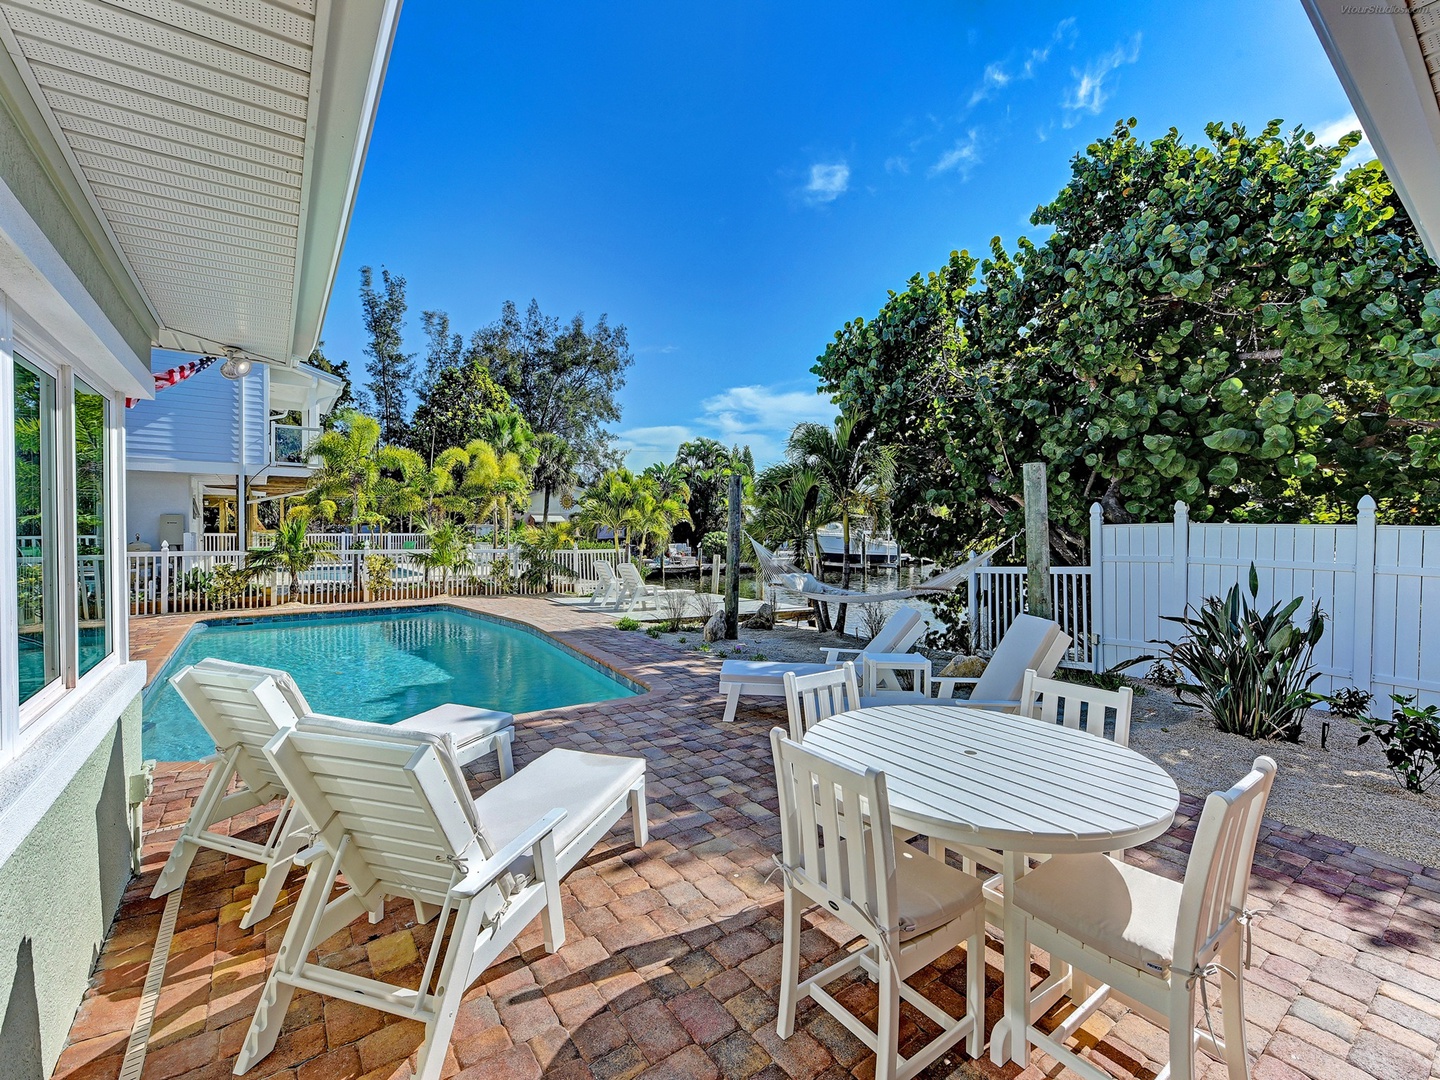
<point x="241" y="502"/>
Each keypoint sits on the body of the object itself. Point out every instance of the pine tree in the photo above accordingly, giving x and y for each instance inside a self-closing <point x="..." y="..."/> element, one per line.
<point x="443" y="350"/>
<point x="390" y="368"/>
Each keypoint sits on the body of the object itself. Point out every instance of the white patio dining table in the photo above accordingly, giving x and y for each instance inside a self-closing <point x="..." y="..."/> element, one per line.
<point x="988" y="779"/>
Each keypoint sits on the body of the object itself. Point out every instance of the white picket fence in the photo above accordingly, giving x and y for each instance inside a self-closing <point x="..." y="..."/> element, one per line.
<point x="167" y="582"/>
<point x="999" y="596"/>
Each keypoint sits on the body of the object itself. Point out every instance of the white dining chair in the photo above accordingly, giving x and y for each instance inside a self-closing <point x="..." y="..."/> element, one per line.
<point x="1105" y="713"/>
<point x="839" y="852"/>
<point x="1155" y="941"/>
<point x="820" y="695"/>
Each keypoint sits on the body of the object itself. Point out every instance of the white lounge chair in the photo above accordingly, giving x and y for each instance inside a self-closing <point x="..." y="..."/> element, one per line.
<point x="1154" y="940"/>
<point x="607" y="585"/>
<point x="899" y="634"/>
<point x="1030" y="643"/>
<point x="766" y="678"/>
<point x="633" y="590"/>
<point x="218" y="693"/>
<point x="839" y="852"/>
<point x="399" y="822"/>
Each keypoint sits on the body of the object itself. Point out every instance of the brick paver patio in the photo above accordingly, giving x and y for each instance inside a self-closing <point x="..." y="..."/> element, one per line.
<point x="671" y="958"/>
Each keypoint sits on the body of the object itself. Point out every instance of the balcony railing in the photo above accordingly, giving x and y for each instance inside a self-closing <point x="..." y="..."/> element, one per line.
<point x="288" y="443"/>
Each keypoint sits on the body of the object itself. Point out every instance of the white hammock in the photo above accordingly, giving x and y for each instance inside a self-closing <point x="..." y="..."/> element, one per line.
<point x="781" y="573"/>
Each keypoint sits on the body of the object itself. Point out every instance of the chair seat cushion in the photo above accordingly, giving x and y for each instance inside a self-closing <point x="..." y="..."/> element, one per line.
<point x="1120" y="910"/>
<point x="930" y="893"/>
<point x="581" y="784"/>
<point x="462" y="723"/>
<point x="767" y="670"/>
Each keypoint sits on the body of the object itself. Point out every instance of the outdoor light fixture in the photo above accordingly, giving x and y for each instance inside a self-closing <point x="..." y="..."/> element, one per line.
<point x="235" y="367"/>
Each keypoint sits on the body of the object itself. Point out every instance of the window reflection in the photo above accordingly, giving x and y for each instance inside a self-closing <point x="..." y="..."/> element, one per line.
<point x="35" y="527"/>
<point x="91" y="509"/>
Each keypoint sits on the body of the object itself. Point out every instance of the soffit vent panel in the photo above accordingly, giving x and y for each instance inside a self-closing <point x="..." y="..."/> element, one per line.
<point x="187" y="121"/>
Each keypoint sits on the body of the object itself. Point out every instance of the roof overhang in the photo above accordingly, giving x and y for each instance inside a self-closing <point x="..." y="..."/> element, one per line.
<point x="214" y="147"/>
<point x="1388" y="60"/>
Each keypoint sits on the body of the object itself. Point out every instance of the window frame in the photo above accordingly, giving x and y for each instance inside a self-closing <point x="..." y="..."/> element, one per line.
<point x="21" y="724"/>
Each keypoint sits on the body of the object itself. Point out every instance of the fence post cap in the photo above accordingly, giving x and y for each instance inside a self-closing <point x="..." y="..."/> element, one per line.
<point x="1366" y="505"/>
<point x="1096" y="510"/>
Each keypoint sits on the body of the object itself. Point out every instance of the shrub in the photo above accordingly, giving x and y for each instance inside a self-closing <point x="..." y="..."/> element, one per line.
<point x="1163" y="675"/>
<point x="1352" y="703"/>
<point x="1252" y="669"/>
<point x="627" y="623"/>
<point x="653" y="632"/>
<point x="380" y="571"/>
<point x="227" y="584"/>
<point x="673" y="605"/>
<point x="1410" y="739"/>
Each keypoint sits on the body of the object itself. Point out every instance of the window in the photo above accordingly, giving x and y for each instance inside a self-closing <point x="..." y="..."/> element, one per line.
<point x="36" y="528"/>
<point x="92" y="522"/>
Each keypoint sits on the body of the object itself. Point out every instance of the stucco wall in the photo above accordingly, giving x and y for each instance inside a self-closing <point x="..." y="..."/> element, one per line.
<point x="59" y="890"/>
<point x="32" y="185"/>
<point x="150" y="494"/>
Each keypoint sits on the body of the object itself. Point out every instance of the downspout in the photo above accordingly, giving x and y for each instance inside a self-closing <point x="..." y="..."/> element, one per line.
<point x="240" y="480"/>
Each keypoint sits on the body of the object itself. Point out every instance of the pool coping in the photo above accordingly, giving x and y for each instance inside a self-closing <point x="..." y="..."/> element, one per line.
<point x="168" y="632"/>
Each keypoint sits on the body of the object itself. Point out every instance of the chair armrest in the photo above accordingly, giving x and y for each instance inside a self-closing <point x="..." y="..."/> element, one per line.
<point x="832" y="656"/>
<point x="948" y="683"/>
<point x="478" y="877"/>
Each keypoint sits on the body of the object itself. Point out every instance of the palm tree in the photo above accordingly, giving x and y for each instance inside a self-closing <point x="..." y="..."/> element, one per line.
<point x="295" y="551"/>
<point x="607" y="504"/>
<point x="448" y="549"/>
<point x="489" y="480"/>
<point x="854" y="468"/>
<point x="653" y="516"/>
<point x="555" y="462"/>
<point x="509" y="435"/>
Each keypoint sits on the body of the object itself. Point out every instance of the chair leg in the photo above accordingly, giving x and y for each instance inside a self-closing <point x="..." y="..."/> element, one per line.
<point x="502" y="753"/>
<point x="975" y="993"/>
<point x="887" y="1026"/>
<point x="1232" y="1005"/>
<point x="639" y="814"/>
<point x="177" y="866"/>
<point x="202" y="814"/>
<point x="789" y="965"/>
<point x="454" y="977"/>
<point x="1180" y="1013"/>
<point x="732" y="702"/>
<point x="277" y="870"/>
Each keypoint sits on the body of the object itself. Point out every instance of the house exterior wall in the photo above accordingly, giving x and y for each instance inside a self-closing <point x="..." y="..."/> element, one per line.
<point x="74" y="862"/>
<point x="197" y="420"/>
<point x="150" y="494"/>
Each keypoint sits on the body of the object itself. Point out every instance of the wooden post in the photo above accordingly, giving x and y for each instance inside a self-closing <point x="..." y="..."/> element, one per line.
<point x="732" y="560"/>
<point x="1037" y="541"/>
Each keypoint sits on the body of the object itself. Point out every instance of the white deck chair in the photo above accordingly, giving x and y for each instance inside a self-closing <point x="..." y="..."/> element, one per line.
<point x="218" y="692"/>
<point x="839" y="852"/>
<point x="1031" y="642"/>
<point x="904" y="627"/>
<point x="1153" y="940"/>
<point x="633" y="590"/>
<point x="607" y="585"/>
<point x="399" y="822"/>
<point x="815" y="697"/>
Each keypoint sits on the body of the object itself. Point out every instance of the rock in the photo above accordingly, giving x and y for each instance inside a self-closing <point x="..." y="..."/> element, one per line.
<point x="763" y="619"/>
<point x="714" y="627"/>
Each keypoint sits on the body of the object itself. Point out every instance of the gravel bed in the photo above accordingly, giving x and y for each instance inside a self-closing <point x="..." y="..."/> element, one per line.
<point x="1344" y="791"/>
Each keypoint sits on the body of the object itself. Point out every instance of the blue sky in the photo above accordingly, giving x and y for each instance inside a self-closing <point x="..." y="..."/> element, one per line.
<point x="735" y="181"/>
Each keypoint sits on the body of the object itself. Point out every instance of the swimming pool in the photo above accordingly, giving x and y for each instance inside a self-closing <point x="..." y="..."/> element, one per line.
<point x="382" y="666"/>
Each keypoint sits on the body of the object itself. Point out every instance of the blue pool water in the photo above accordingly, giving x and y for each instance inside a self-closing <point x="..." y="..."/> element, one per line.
<point x="381" y="666"/>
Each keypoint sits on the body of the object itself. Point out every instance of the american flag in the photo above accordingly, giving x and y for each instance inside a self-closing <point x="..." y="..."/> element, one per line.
<point x="166" y="379"/>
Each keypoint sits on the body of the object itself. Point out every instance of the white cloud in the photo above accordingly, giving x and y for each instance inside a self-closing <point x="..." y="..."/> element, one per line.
<point x="1090" y="91"/>
<point x="960" y="157"/>
<point x="827" y="182"/>
<point x="897" y="164"/>
<point x="995" y="79"/>
<point x="1330" y="133"/>
<point x="758" y="416"/>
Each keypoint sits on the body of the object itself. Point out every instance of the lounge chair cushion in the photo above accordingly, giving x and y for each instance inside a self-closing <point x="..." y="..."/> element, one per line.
<point x="335" y="725"/>
<point x="462" y="724"/>
<point x="1120" y="910"/>
<point x="580" y="783"/>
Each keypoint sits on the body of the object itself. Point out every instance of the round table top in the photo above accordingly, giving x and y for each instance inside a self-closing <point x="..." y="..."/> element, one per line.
<point x="1005" y="782"/>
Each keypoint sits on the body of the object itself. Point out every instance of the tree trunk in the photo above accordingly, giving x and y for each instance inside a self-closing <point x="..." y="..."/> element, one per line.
<point x="732" y="557"/>
<point x="545" y="524"/>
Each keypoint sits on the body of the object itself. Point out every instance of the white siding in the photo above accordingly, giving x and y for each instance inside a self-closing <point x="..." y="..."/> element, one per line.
<point x="196" y="420"/>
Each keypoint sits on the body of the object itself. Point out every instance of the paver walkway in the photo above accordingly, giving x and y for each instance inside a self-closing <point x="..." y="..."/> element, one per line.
<point x="671" y="958"/>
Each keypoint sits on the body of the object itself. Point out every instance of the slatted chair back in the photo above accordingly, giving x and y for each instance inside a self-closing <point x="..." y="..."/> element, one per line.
<point x="838" y="850"/>
<point x="812" y="698"/>
<point x="631" y="578"/>
<point x="242" y="707"/>
<point x="901" y="630"/>
<point x="1082" y="708"/>
<point x="1030" y="642"/>
<point x="1217" y="879"/>
<point x="605" y="580"/>
<point x="391" y="804"/>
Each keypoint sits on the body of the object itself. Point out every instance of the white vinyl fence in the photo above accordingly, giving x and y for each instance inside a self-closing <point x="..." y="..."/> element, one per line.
<point x="164" y="582"/>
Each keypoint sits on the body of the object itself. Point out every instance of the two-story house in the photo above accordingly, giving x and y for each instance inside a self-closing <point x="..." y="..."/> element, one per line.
<point x="210" y="445"/>
<point x="174" y="174"/>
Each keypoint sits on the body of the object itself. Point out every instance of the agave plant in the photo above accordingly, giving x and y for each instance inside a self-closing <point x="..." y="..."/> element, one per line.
<point x="1251" y="670"/>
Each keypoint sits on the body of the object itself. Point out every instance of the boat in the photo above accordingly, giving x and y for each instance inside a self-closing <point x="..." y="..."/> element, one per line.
<point x="678" y="560"/>
<point x="878" y="550"/>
